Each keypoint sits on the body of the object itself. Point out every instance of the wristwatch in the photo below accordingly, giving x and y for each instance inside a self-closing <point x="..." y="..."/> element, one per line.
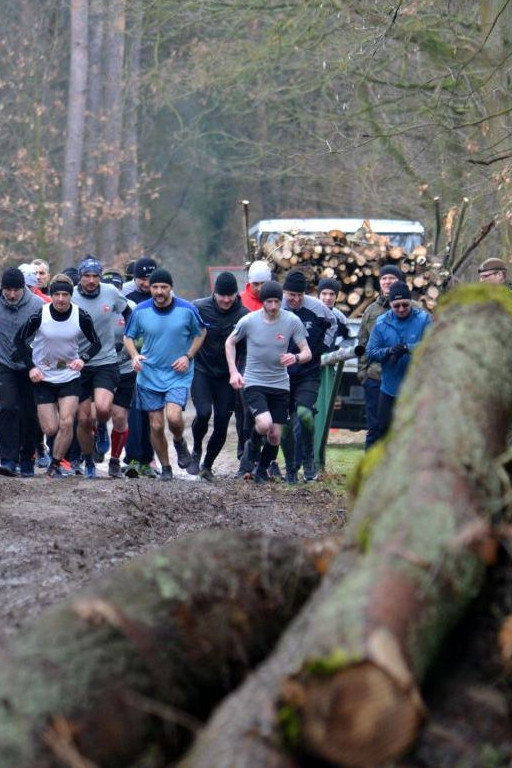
<point x="297" y="358"/>
<point x="189" y="357"/>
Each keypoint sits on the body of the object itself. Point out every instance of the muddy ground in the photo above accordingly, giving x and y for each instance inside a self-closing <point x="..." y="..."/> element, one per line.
<point x="57" y="536"/>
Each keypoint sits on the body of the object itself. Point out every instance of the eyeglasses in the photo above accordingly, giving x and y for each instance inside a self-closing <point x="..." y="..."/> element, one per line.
<point x="401" y="304"/>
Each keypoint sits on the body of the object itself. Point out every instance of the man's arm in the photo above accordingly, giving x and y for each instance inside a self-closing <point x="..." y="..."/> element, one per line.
<point x="235" y="377"/>
<point x="89" y="331"/>
<point x="137" y="358"/>
<point x="23" y="350"/>
<point x="182" y="363"/>
<point x="302" y="356"/>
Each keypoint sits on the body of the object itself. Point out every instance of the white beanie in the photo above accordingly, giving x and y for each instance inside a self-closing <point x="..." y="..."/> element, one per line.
<point x="29" y="273"/>
<point x="259" y="271"/>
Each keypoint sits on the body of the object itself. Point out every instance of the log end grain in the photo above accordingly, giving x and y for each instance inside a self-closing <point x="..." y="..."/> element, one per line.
<point x="359" y="717"/>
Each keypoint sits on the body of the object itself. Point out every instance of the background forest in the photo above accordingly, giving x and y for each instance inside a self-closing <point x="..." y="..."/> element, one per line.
<point x="135" y="126"/>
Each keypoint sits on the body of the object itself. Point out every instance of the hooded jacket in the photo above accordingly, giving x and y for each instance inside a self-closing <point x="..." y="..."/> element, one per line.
<point x="12" y="317"/>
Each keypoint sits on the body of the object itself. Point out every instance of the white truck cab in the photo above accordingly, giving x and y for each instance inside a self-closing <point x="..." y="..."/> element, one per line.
<point x="407" y="234"/>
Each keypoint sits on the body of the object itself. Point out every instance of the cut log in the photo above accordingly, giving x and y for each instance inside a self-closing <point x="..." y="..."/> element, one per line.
<point x="143" y="655"/>
<point x="344" y="682"/>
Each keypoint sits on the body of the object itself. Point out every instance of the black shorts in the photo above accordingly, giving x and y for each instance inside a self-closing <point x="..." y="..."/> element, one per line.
<point x="123" y="395"/>
<point x="47" y="392"/>
<point x="98" y="377"/>
<point x="263" y="399"/>
<point x="303" y="391"/>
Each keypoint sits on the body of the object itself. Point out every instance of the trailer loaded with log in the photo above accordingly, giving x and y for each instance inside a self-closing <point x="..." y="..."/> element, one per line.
<point x="355" y="261"/>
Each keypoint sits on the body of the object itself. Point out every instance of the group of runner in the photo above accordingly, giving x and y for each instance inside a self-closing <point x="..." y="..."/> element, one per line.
<point x="90" y="347"/>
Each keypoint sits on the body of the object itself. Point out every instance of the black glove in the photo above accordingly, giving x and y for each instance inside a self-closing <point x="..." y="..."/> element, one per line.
<point x="398" y="350"/>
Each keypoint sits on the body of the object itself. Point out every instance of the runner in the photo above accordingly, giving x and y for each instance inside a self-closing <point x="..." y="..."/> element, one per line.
<point x="172" y="333"/>
<point x="266" y="383"/>
<point x="54" y="364"/>
<point x="100" y="376"/>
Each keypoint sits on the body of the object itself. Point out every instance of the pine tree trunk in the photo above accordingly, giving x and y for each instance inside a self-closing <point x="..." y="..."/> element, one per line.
<point x="75" y="132"/>
<point x="138" y="659"/>
<point x="343" y="683"/>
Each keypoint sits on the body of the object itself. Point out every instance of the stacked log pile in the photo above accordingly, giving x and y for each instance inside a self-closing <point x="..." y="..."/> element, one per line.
<point x="355" y="260"/>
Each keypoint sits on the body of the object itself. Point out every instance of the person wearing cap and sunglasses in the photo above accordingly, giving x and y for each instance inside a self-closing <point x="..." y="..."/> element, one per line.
<point x="392" y="340"/>
<point x="493" y="270"/>
<point x="369" y="373"/>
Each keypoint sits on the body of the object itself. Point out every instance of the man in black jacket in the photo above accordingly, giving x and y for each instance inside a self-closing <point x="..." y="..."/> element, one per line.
<point x="321" y="326"/>
<point x="211" y="390"/>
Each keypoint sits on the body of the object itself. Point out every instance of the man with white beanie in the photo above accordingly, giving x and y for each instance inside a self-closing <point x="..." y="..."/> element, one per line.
<point x="259" y="273"/>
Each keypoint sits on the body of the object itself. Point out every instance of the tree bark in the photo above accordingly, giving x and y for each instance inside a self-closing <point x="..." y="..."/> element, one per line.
<point x="130" y="230"/>
<point x="139" y="658"/>
<point x="91" y="191"/>
<point x="343" y="683"/>
<point x="114" y="53"/>
<point x="75" y="131"/>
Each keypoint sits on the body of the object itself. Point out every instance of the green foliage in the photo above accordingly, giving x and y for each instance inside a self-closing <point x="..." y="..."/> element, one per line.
<point x="337" y="107"/>
<point x="326" y="666"/>
<point x="288" y="719"/>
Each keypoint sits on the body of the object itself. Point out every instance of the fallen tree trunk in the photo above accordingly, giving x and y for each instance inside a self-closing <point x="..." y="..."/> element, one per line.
<point x="138" y="659"/>
<point x="344" y="681"/>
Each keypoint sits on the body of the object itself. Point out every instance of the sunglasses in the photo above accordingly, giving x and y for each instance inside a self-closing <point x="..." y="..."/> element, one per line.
<point x="401" y="304"/>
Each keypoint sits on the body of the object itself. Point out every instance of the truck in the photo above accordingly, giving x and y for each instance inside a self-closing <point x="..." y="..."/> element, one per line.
<point x="405" y="234"/>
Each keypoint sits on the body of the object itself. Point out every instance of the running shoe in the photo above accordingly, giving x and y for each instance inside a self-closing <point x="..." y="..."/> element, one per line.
<point x="65" y="467"/>
<point x="183" y="453"/>
<point x="310" y="472"/>
<point x="102" y="439"/>
<point x="207" y="474"/>
<point x="76" y="466"/>
<point x="8" y="468"/>
<point x="132" y="469"/>
<point x="291" y="477"/>
<point x="114" y="468"/>
<point x="90" y="471"/>
<point x="193" y="468"/>
<point x="261" y="476"/>
<point x="27" y="468"/>
<point x="274" y="470"/>
<point x="43" y="459"/>
<point x="146" y="470"/>
<point x="54" y="472"/>
<point x="166" y="474"/>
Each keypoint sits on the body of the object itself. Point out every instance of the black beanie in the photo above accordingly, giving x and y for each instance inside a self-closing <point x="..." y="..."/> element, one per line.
<point x="144" y="267"/>
<point x="295" y="281"/>
<point x="61" y="282"/>
<point x="72" y="273"/>
<point x="328" y="284"/>
<point x="390" y="269"/>
<point x="271" y="289"/>
<point x="226" y="284"/>
<point x="13" y="278"/>
<point x="399" y="291"/>
<point x="160" y="275"/>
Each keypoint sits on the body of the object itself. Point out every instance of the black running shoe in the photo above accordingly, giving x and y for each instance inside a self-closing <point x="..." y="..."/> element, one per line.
<point x="183" y="453"/>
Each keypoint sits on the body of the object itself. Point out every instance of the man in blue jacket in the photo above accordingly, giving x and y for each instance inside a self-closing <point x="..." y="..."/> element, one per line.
<point x="393" y="337"/>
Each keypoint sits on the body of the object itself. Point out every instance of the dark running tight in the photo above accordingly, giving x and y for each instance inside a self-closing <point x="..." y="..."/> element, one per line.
<point x="211" y="395"/>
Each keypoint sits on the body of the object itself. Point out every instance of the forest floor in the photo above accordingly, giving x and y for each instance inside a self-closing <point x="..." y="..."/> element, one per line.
<point x="58" y="536"/>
